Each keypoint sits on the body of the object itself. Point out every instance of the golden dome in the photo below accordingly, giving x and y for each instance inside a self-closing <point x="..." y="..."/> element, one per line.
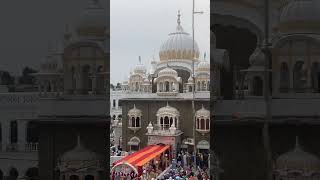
<point x="179" y="46"/>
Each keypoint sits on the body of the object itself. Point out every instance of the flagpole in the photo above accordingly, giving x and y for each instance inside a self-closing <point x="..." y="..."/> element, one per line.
<point x="194" y="82"/>
<point x="268" y="116"/>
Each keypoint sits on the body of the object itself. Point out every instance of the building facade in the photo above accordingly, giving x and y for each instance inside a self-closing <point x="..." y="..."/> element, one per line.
<point x="48" y="134"/>
<point x="157" y="102"/>
<point x="239" y="109"/>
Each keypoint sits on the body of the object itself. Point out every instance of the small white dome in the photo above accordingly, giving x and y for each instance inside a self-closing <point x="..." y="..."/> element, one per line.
<point x="140" y="68"/>
<point x="203" y="66"/>
<point x="168" y="72"/>
<point x="301" y="14"/>
<point x="203" y="113"/>
<point x="257" y="58"/>
<point x="297" y="159"/>
<point x="179" y="45"/>
<point x="79" y="153"/>
<point x="168" y="110"/>
<point x="134" y="111"/>
<point x="190" y="80"/>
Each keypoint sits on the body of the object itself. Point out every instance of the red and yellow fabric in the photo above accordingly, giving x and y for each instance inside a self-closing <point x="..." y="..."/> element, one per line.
<point x="143" y="156"/>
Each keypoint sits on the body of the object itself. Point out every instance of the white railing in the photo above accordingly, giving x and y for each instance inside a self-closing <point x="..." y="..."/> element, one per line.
<point x="15" y="147"/>
<point x="31" y="147"/>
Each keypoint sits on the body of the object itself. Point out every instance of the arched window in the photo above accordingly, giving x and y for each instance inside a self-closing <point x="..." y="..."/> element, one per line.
<point x="1" y="175"/>
<point x="14" y="131"/>
<point x="315" y="77"/>
<point x="160" y="87"/>
<point x="74" y="177"/>
<point x="161" y="122"/>
<point x="198" y="88"/>
<point x="198" y="123"/>
<point x="167" y="84"/>
<point x="190" y="88"/>
<point x="166" y="123"/>
<point x="137" y="122"/>
<point x="89" y="177"/>
<point x="114" y="103"/>
<point x="133" y="122"/>
<point x="284" y="77"/>
<point x="204" y="85"/>
<point x="32" y="174"/>
<point x="299" y="76"/>
<point x="208" y="86"/>
<point x="202" y="124"/>
<point x="176" y="122"/>
<point x="207" y="124"/>
<point x="13" y="174"/>
<point x="137" y="86"/>
<point x="257" y="86"/>
<point x="134" y="144"/>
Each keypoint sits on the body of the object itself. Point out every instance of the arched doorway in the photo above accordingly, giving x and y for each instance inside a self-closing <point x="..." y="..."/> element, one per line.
<point x="74" y="177"/>
<point x="1" y="175"/>
<point x="299" y="77"/>
<point x="32" y="174"/>
<point x="284" y="77"/>
<point x="240" y="44"/>
<point x="89" y="177"/>
<point x="257" y="84"/>
<point x="315" y="77"/>
<point x="13" y="174"/>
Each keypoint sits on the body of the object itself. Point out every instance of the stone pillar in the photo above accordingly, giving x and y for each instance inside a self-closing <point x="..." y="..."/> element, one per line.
<point x="94" y="84"/>
<point x="79" y="81"/>
<point x="5" y="134"/>
<point x="22" y="129"/>
<point x="291" y="78"/>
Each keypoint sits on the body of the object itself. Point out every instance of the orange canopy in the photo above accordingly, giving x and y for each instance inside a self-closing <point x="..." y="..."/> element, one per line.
<point x="143" y="156"/>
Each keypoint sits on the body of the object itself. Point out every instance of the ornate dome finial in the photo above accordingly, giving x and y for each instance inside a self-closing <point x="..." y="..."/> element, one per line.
<point x="179" y="20"/>
<point x="139" y="59"/>
<point x="179" y="27"/>
<point x="167" y="104"/>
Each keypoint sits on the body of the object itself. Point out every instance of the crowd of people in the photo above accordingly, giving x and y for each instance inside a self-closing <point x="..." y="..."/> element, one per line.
<point x="184" y="167"/>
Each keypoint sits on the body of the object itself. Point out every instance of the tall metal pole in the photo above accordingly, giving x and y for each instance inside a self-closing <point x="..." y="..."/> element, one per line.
<point x="194" y="88"/>
<point x="266" y="135"/>
<point x="194" y="82"/>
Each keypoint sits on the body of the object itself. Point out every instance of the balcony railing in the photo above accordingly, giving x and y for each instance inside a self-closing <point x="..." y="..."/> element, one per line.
<point x="31" y="147"/>
<point x="27" y="147"/>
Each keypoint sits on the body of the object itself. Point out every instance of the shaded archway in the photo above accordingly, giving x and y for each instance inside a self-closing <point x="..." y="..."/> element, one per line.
<point x="284" y="77"/>
<point x="89" y="177"/>
<point x="257" y="84"/>
<point x="74" y="177"/>
<point x="240" y="44"/>
<point x="299" y="79"/>
<point x="13" y="174"/>
<point x="32" y="174"/>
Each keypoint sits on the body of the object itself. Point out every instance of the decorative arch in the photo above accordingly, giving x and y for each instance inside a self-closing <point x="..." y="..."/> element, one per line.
<point x="284" y="77"/>
<point x="74" y="177"/>
<point x="13" y="173"/>
<point x="32" y="173"/>
<point x="89" y="177"/>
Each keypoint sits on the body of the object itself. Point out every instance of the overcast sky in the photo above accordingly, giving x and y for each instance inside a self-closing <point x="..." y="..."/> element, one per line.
<point x="28" y="26"/>
<point x="139" y="27"/>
